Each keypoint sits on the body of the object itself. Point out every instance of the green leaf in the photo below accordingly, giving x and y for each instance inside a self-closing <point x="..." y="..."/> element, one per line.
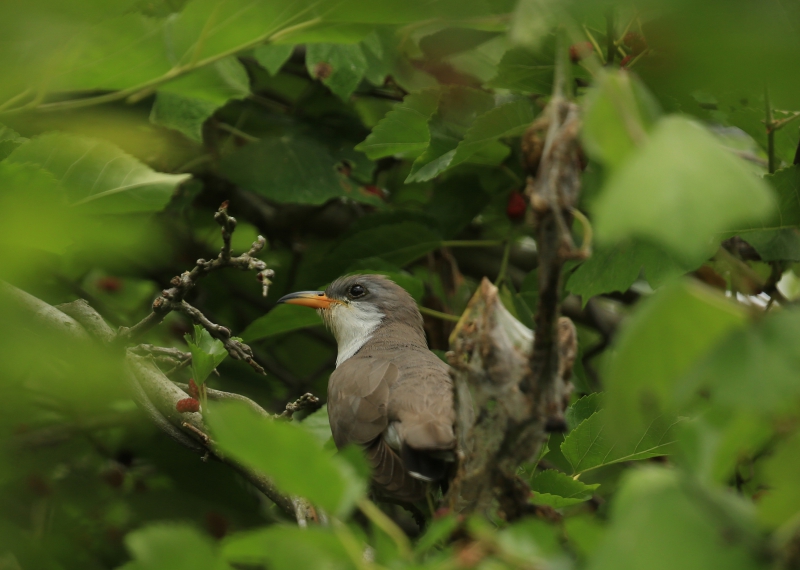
<point x="786" y="183"/>
<point x="207" y="353"/>
<point x="339" y="66"/>
<point x="9" y="141"/>
<point x="290" y="169"/>
<point x="754" y="368"/>
<point x="438" y="531"/>
<point x="681" y="189"/>
<point x="404" y="130"/>
<point x="522" y="70"/>
<point x="281" y="319"/>
<point x="97" y="176"/>
<point x="174" y="546"/>
<point x="558" y="490"/>
<point x="272" y="57"/>
<point x="507" y="120"/>
<point x="619" y="112"/>
<point x="781" y="244"/>
<point x="284" y="547"/>
<point x="186" y="103"/>
<point x="583" y="409"/>
<point x="661" y="522"/>
<point x="395" y="243"/>
<point x="667" y="334"/>
<point x="183" y="114"/>
<point x="319" y="425"/>
<point x="457" y="111"/>
<point x="593" y="444"/>
<point x="615" y="268"/>
<point x="781" y="502"/>
<point x="288" y="454"/>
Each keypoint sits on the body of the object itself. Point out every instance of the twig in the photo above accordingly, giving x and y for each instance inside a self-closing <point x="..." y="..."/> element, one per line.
<point x="770" y="131"/>
<point x="172" y="299"/>
<point x="305" y="402"/>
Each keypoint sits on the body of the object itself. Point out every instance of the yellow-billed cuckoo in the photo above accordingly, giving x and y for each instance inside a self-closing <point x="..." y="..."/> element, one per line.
<point x="389" y="393"/>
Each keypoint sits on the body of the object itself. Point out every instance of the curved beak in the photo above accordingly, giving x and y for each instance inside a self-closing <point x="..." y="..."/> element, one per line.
<point x="313" y="299"/>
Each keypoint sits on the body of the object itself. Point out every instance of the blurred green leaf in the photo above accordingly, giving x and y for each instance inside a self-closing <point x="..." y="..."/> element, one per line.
<point x="754" y="368"/>
<point x="207" y="353"/>
<point x="288" y="454"/>
<point x="668" y="333"/>
<point x="681" y="189"/>
<point x="592" y="444"/>
<point x="340" y="67"/>
<point x="9" y="140"/>
<point x="96" y="176"/>
<point x="177" y="547"/>
<point x="615" y="268"/>
<point x="186" y="103"/>
<point x="776" y="245"/>
<point x="319" y="425"/>
<point x="437" y="532"/>
<point x="458" y="109"/>
<point x="291" y="168"/>
<point x="781" y="502"/>
<point x="272" y="57"/>
<point x="507" y="120"/>
<point x="659" y="522"/>
<point x="558" y="490"/>
<point x="281" y="319"/>
<point x="284" y="547"/>
<point x="778" y="229"/>
<point x="404" y="130"/>
<point x="525" y="71"/>
<point x="619" y="112"/>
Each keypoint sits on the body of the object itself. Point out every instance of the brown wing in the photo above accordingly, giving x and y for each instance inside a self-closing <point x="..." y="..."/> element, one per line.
<point x="358" y="394"/>
<point x="421" y="402"/>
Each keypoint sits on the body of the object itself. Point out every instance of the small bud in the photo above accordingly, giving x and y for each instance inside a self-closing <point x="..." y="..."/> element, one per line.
<point x="635" y="42"/>
<point x="224" y="205"/>
<point x="625" y="61"/>
<point x="188" y="405"/>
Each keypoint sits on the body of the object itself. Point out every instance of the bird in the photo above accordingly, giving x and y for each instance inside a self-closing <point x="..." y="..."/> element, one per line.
<point x="389" y="393"/>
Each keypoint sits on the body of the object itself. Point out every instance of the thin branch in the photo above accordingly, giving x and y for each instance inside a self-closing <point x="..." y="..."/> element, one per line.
<point x="438" y="314"/>
<point x="172" y="299"/>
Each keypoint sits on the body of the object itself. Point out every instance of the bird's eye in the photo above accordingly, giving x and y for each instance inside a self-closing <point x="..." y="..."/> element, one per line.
<point x="357" y="291"/>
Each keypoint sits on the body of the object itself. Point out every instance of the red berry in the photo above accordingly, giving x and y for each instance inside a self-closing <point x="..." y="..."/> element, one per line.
<point x="635" y="42"/>
<point x="626" y="60"/>
<point x="109" y="284"/>
<point x="194" y="391"/>
<point x="187" y="405"/>
<point x="515" y="209"/>
<point x="578" y="51"/>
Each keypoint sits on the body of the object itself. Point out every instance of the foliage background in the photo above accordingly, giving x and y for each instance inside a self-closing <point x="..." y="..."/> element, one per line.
<point x="385" y="137"/>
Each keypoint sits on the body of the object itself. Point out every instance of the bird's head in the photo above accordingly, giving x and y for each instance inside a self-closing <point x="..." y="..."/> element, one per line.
<point x="355" y="306"/>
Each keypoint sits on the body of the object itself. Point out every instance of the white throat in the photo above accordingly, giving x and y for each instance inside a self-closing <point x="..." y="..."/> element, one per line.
<point x="352" y="325"/>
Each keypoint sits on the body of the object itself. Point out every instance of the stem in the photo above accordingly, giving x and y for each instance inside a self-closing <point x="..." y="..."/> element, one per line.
<point x="770" y="132"/>
<point x="387" y="525"/>
<point x="438" y="314"/>
<point x="472" y="243"/>
<point x="237" y="132"/>
<point x="501" y="275"/>
<point x="138" y="92"/>
<point x="596" y="45"/>
<point x="611" y="47"/>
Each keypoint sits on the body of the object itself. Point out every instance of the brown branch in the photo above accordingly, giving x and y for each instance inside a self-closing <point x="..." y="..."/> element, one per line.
<point x="305" y="402"/>
<point x="511" y="386"/>
<point x="172" y="299"/>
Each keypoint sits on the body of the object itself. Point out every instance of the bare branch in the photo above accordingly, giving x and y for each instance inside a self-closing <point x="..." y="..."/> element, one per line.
<point x="172" y="299"/>
<point x="305" y="402"/>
